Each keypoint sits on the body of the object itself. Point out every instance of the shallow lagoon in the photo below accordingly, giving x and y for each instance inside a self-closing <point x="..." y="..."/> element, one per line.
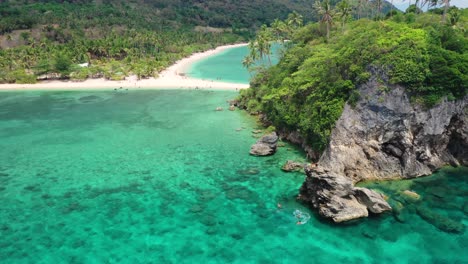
<point x="226" y="66"/>
<point x="159" y="176"/>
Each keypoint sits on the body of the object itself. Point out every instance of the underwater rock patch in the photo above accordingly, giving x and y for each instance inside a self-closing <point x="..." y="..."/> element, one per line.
<point x="90" y="99"/>
<point x="438" y="191"/>
<point x="441" y="222"/>
<point x="197" y="208"/>
<point x="33" y="188"/>
<point x="249" y="171"/>
<point x="411" y="195"/>
<point x="73" y="207"/>
<point x="209" y="220"/>
<point x="465" y="208"/>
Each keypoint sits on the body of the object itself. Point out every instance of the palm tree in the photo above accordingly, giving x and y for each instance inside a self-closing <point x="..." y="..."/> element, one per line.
<point x="324" y="9"/>
<point x="279" y="29"/>
<point x="344" y="11"/>
<point x="247" y="63"/>
<point x="294" y="20"/>
<point x="253" y="48"/>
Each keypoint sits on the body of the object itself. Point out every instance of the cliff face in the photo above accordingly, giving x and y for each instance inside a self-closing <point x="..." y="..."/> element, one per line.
<point x="384" y="137"/>
<point x="387" y="137"/>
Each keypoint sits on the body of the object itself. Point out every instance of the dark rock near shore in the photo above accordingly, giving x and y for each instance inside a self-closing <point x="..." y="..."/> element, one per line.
<point x="265" y="146"/>
<point x="290" y="166"/>
<point x="336" y="198"/>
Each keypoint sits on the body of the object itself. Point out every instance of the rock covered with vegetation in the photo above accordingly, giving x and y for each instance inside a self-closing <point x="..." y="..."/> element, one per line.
<point x="380" y="99"/>
<point x="386" y="137"/>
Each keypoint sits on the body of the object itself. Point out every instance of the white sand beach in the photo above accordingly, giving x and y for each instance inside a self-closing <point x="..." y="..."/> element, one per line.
<point x="171" y="78"/>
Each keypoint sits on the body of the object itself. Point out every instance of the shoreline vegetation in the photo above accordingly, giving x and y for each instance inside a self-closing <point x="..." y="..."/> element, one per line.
<point x="172" y="77"/>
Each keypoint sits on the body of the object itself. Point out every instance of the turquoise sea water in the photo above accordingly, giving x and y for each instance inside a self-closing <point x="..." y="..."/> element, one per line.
<point x="227" y="65"/>
<point x="160" y="177"/>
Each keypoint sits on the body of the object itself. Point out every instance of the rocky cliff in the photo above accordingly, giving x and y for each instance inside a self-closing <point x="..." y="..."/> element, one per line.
<point x="384" y="136"/>
<point x="387" y="137"/>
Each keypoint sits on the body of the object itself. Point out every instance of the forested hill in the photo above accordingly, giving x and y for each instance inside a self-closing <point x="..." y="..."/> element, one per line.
<point x="49" y="38"/>
<point x="154" y="14"/>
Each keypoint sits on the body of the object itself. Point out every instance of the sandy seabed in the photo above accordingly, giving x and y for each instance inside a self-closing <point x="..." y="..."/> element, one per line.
<point x="171" y="78"/>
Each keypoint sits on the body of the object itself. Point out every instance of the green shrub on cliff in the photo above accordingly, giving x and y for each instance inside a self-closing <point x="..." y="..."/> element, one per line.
<point x="308" y="88"/>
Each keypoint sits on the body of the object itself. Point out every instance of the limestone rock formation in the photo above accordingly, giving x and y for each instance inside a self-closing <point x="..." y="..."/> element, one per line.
<point x="265" y="146"/>
<point x="336" y="198"/>
<point x="387" y="137"/>
<point x="374" y="201"/>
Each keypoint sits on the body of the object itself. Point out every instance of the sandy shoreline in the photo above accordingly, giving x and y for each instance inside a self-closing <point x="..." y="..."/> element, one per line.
<point x="171" y="78"/>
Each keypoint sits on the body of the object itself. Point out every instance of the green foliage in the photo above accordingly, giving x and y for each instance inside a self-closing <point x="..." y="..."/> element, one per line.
<point x="307" y="90"/>
<point x="135" y="37"/>
<point x="20" y="77"/>
<point x="62" y="64"/>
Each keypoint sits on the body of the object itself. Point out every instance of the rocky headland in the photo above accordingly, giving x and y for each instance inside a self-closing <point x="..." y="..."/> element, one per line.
<point x="384" y="136"/>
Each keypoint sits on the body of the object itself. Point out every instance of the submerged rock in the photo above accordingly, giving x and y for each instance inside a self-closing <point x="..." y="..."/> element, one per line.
<point x="219" y="108"/>
<point x="441" y="222"/>
<point x="465" y="208"/>
<point x="265" y="146"/>
<point x="336" y="198"/>
<point x="290" y="166"/>
<point x="411" y="195"/>
<point x="90" y="99"/>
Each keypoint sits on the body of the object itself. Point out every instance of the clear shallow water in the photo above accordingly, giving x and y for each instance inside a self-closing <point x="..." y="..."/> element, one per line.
<point x="160" y="177"/>
<point x="227" y="65"/>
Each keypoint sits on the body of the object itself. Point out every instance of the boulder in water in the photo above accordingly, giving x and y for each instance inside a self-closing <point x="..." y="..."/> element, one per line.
<point x="336" y="198"/>
<point x="265" y="146"/>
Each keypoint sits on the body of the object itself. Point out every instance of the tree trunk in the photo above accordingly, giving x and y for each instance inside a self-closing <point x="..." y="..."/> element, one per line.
<point x="446" y="7"/>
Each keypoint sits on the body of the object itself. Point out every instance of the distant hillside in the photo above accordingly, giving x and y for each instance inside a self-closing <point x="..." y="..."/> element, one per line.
<point x="49" y="38"/>
<point x="156" y="14"/>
